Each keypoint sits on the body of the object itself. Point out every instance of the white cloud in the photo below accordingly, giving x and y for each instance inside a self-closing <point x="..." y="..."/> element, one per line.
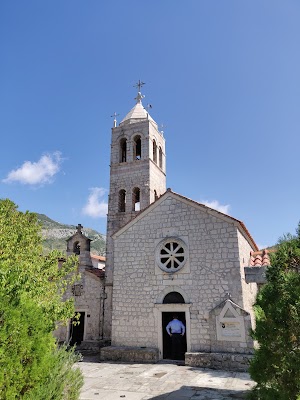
<point x="36" y="173"/>
<point x="96" y="207"/>
<point x="216" y="206"/>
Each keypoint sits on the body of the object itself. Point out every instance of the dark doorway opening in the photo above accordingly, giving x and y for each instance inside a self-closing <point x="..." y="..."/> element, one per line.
<point x="167" y="343"/>
<point x="77" y="331"/>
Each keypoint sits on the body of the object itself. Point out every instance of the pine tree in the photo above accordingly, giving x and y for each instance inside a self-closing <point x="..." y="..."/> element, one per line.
<point x="32" y="366"/>
<point x="276" y="363"/>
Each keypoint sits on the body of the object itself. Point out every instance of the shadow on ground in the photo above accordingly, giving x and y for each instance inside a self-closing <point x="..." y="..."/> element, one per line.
<point x="202" y="393"/>
<point x="187" y="392"/>
<point x="244" y="376"/>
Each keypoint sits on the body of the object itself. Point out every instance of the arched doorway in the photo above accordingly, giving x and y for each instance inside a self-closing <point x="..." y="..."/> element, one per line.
<point x="167" y="316"/>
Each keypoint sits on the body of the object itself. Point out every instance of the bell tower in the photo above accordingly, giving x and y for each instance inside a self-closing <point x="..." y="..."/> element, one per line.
<point x="137" y="178"/>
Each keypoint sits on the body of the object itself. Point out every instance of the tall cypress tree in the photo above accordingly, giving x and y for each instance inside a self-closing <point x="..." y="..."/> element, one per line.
<point x="276" y="363"/>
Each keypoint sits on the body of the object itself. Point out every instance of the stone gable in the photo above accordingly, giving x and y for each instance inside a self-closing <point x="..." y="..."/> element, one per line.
<point x="211" y="270"/>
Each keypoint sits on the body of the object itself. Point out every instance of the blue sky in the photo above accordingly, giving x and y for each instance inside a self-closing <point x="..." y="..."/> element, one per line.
<point x="222" y="77"/>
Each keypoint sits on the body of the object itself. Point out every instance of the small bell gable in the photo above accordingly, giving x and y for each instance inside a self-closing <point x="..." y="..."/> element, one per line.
<point x="80" y="245"/>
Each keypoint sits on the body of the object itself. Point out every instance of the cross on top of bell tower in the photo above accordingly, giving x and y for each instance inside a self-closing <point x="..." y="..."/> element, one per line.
<point x="139" y="96"/>
<point x="115" y="118"/>
<point x="139" y="85"/>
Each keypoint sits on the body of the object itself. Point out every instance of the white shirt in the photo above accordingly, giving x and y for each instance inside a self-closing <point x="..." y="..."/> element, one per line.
<point x="175" y="326"/>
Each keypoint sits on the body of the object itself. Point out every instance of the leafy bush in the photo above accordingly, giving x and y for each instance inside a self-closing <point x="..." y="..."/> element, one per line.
<point x="32" y="366"/>
<point x="276" y="363"/>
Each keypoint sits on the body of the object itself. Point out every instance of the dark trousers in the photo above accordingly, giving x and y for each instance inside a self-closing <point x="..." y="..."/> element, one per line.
<point x="176" y="339"/>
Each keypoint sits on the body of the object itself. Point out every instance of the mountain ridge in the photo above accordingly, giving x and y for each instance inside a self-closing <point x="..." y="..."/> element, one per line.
<point x="55" y="235"/>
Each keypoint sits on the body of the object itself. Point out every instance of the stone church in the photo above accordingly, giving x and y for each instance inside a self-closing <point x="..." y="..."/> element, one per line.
<point x="165" y="254"/>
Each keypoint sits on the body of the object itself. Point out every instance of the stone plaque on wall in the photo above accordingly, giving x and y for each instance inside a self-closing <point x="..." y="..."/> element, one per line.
<point x="230" y="324"/>
<point x="231" y="329"/>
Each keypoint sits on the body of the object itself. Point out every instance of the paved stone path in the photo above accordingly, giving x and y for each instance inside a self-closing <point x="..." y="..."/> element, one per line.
<point x="112" y="381"/>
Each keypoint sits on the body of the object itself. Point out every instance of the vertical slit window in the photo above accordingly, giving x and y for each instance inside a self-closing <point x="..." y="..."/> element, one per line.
<point x="154" y="151"/>
<point x="155" y="195"/>
<point x="123" y="150"/>
<point x="160" y="158"/>
<point x="122" y="200"/>
<point x="137" y="148"/>
<point x="136" y="200"/>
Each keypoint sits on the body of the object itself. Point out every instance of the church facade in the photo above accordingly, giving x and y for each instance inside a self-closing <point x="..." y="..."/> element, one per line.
<point x="168" y="254"/>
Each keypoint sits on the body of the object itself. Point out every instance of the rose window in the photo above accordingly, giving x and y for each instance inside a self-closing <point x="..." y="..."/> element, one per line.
<point x="171" y="255"/>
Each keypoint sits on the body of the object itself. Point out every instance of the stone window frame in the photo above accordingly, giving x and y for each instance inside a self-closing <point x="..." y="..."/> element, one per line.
<point x="173" y="263"/>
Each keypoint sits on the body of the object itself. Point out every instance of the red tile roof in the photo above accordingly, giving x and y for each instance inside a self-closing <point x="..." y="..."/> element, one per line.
<point x="260" y="258"/>
<point x="99" y="258"/>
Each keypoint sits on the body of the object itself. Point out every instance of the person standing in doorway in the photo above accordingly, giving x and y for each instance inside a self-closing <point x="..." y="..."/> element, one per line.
<point x="176" y="330"/>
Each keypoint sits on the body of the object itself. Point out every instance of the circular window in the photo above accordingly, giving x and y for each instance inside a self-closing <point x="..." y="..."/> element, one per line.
<point x="171" y="255"/>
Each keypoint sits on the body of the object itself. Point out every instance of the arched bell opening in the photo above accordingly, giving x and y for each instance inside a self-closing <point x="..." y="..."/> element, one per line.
<point x="76" y="248"/>
<point x="136" y="199"/>
<point x="123" y="150"/>
<point x="137" y="148"/>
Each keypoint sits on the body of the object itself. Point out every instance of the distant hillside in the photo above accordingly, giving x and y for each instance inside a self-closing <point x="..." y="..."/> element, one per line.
<point x="56" y="234"/>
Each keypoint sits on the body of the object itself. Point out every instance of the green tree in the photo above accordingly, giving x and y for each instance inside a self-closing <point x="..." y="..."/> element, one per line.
<point x="276" y="363"/>
<point x="32" y="366"/>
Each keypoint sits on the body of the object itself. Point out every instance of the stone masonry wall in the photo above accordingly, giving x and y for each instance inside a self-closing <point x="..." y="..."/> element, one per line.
<point x="220" y="361"/>
<point x="88" y="302"/>
<point x="157" y="181"/>
<point x="249" y="289"/>
<point x="212" y="270"/>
